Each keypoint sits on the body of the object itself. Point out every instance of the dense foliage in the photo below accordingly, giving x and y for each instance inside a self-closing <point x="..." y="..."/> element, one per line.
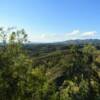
<point x="71" y="73"/>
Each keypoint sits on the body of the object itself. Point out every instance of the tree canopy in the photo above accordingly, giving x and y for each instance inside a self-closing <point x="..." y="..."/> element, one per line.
<point x="68" y="74"/>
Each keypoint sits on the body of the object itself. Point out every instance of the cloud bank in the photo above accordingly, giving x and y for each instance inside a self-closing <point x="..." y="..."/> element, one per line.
<point x="75" y="34"/>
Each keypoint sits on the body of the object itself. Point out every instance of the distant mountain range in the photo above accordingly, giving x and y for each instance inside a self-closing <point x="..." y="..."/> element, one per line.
<point x="80" y="42"/>
<point x="69" y="42"/>
<point x="44" y="48"/>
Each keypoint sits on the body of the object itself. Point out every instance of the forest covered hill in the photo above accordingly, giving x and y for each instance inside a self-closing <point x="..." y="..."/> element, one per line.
<point x="48" y="71"/>
<point x="39" y="48"/>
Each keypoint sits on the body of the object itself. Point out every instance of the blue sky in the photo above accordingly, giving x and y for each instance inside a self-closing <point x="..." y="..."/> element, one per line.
<point x="53" y="20"/>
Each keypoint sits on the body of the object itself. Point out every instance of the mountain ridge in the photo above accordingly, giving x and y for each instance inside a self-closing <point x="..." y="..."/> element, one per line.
<point x="72" y="42"/>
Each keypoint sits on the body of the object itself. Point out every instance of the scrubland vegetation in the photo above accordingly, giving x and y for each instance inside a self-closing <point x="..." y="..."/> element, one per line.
<point x="70" y="73"/>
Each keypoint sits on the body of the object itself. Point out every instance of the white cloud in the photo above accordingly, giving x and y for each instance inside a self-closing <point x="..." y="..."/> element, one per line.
<point x="54" y="37"/>
<point x="92" y="33"/>
<point x="74" y="32"/>
<point x="43" y="37"/>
